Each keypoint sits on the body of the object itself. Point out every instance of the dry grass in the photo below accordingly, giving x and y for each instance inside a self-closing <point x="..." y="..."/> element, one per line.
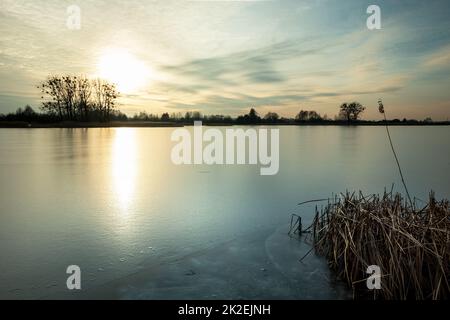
<point x="410" y="245"/>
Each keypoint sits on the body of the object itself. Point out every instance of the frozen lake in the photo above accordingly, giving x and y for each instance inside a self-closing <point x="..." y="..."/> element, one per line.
<point x="112" y="202"/>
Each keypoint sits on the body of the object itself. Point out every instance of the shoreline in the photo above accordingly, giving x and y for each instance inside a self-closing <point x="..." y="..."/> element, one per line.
<point x="147" y="124"/>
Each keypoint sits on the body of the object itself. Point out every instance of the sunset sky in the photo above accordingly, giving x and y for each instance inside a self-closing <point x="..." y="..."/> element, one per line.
<point x="222" y="57"/>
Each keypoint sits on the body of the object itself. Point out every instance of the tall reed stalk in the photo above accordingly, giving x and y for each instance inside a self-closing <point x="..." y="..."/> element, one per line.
<point x="381" y="109"/>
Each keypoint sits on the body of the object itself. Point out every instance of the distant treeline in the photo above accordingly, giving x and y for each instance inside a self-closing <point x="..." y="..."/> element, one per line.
<point x="29" y="115"/>
<point x="78" y="99"/>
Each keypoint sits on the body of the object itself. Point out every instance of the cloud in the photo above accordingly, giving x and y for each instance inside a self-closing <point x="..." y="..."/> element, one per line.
<point x="256" y="66"/>
<point x="439" y="59"/>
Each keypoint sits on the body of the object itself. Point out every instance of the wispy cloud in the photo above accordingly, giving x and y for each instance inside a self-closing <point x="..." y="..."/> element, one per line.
<point x="439" y="59"/>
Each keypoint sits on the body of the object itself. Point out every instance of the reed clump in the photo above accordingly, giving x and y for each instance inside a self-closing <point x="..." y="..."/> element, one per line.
<point x="410" y="245"/>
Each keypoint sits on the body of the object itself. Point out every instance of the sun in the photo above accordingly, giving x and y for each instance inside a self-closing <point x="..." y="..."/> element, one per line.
<point x="123" y="69"/>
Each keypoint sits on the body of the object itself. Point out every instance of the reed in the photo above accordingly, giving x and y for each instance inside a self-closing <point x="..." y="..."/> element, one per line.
<point x="410" y="245"/>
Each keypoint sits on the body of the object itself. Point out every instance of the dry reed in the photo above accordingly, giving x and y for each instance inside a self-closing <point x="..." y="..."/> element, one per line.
<point x="410" y="245"/>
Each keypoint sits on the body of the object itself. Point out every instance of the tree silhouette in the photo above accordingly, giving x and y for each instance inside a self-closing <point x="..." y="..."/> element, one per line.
<point x="271" y="117"/>
<point x="77" y="98"/>
<point x="253" y="116"/>
<point x="305" y="115"/>
<point x="302" y="115"/>
<point x="351" y="111"/>
<point x="165" y="117"/>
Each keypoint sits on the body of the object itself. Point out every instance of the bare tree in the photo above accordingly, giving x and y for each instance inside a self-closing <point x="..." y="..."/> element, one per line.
<point x="77" y="98"/>
<point x="305" y="115"/>
<point x="53" y="104"/>
<point x="106" y="95"/>
<point x="351" y="111"/>
<point x="84" y="92"/>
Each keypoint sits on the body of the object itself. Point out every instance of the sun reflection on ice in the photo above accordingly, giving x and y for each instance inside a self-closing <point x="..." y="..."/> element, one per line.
<point x="124" y="168"/>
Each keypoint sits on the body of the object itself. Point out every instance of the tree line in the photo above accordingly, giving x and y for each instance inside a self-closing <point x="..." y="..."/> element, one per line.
<point x="77" y="98"/>
<point x="349" y="112"/>
<point x="346" y="116"/>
